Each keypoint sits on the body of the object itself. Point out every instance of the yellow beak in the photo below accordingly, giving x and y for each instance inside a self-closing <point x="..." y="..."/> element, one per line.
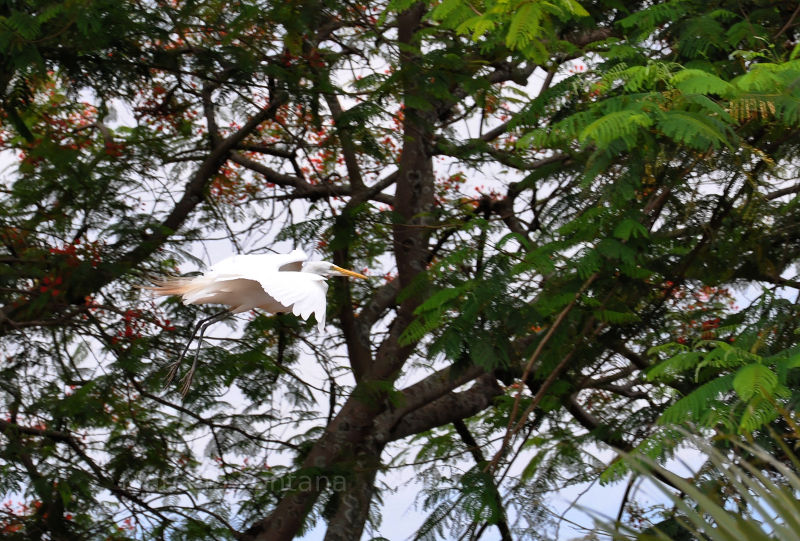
<point x="346" y="272"/>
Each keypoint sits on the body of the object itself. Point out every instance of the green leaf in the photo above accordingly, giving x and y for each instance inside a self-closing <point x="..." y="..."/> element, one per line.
<point x="438" y="299"/>
<point x="785" y="364"/>
<point x="755" y="379"/>
<point x="65" y="492"/>
<point x="621" y="125"/>
<point x="695" y="81"/>
<point x="762" y="77"/>
<point x="525" y="25"/>
<point x="588" y="263"/>
<point x="698" y="404"/>
<point x="483" y="353"/>
<point x="757" y="413"/>
<point x="414" y="101"/>
<point x="674" y="365"/>
<point x="628" y="228"/>
<point x="693" y="130"/>
<point x="614" y="249"/>
<point x="447" y="8"/>
<point x="574" y="8"/>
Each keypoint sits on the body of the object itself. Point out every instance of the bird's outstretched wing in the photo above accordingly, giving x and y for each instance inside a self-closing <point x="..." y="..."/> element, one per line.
<point x="304" y="292"/>
<point x="251" y="265"/>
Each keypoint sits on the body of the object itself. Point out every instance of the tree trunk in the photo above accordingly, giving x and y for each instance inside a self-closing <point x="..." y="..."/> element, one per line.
<point x="346" y="435"/>
<point x="352" y="511"/>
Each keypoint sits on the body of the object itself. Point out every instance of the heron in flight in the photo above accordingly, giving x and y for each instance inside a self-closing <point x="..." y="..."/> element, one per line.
<point x="275" y="283"/>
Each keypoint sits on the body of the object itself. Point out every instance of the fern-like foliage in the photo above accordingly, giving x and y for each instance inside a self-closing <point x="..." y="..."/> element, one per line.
<point x="702" y="405"/>
<point x="697" y="81"/>
<point x="523" y="25"/>
<point x="644" y="21"/>
<point x="741" y="393"/>
<point x="624" y="125"/>
<point x="693" y="130"/>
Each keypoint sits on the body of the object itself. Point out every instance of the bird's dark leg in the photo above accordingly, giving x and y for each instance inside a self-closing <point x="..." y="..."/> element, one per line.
<point x="187" y="379"/>
<point x="201" y="326"/>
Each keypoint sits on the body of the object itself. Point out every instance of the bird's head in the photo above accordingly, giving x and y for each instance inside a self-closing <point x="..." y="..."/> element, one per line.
<point x="323" y="268"/>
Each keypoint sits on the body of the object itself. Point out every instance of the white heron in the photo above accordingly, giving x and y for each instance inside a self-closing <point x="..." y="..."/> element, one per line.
<point x="275" y="283"/>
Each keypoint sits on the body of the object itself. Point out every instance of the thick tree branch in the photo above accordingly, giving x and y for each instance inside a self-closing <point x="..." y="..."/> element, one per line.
<point x="423" y="392"/>
<point x="783" y="191"/>
<point x="587" y="382"/>
<point x="194" y="192"/>
<point x="302" y="188"/>
<point x="382" y="299"/>
<point x="193" y="195"/>
<point x="342" y="437"/>
<point x="637" y="360"/>
<point x="352" y="503"/>
<point x="348" y="148"/>
<point x="448" y="408"/>
<point x="627" y="391"/>
<point x="355" y="335"/>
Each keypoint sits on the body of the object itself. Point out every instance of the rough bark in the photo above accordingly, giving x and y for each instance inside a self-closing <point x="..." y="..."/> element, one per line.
<point x="351" y="426"/>
<point x="353" y="503"/>
<point x="448" y="408"/>
<point x="347" y="435"/>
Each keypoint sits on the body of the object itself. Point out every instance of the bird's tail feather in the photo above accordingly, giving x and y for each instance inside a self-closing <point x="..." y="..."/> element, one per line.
<point x="177" y="286"/>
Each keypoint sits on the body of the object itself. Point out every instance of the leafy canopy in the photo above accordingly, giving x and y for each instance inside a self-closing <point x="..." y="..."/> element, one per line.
<point x="580" y="220"/>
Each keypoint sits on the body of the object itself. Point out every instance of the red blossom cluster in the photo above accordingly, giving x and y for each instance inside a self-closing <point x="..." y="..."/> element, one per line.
<point x="92" y="306"/>
<point x="114" y="149"/>
<point x="705" y="327"/>
<point x="398" y="119"/>
<point x="390" y="145"/>
<point x="49" y="285"/>
<point x="133" y="325"/>
<point x="360" y="10"/>
<point x="322" y="163"/>
<point x="64" y="124"/>
<point x="15" y="515"/>
<point x="132" y="328"/>
<point x="448" y="187"/>
<point x="490" y="104"/>
<point x="127" y="524"/>
<point x="76" y="253"/>
<point x="15" y="238"/>
<point x="68" y="258"/>
<point x="596" y="90"/>
<point x="315" y="59"/>
<point x="453" y="182"/>
<point x="491" y="193"/>
<point x="67" y="128"/>
<point x="701" y="310"/>
<point x="231" y="188"/>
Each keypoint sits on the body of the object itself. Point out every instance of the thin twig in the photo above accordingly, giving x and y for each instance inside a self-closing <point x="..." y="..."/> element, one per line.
<point x="514" y="428"/>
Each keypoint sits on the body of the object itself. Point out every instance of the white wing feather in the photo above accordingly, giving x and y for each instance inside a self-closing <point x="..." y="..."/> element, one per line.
<point x="304" y="292"/>
<point x="235" y="281"/>
<point x="253" y="265"/>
